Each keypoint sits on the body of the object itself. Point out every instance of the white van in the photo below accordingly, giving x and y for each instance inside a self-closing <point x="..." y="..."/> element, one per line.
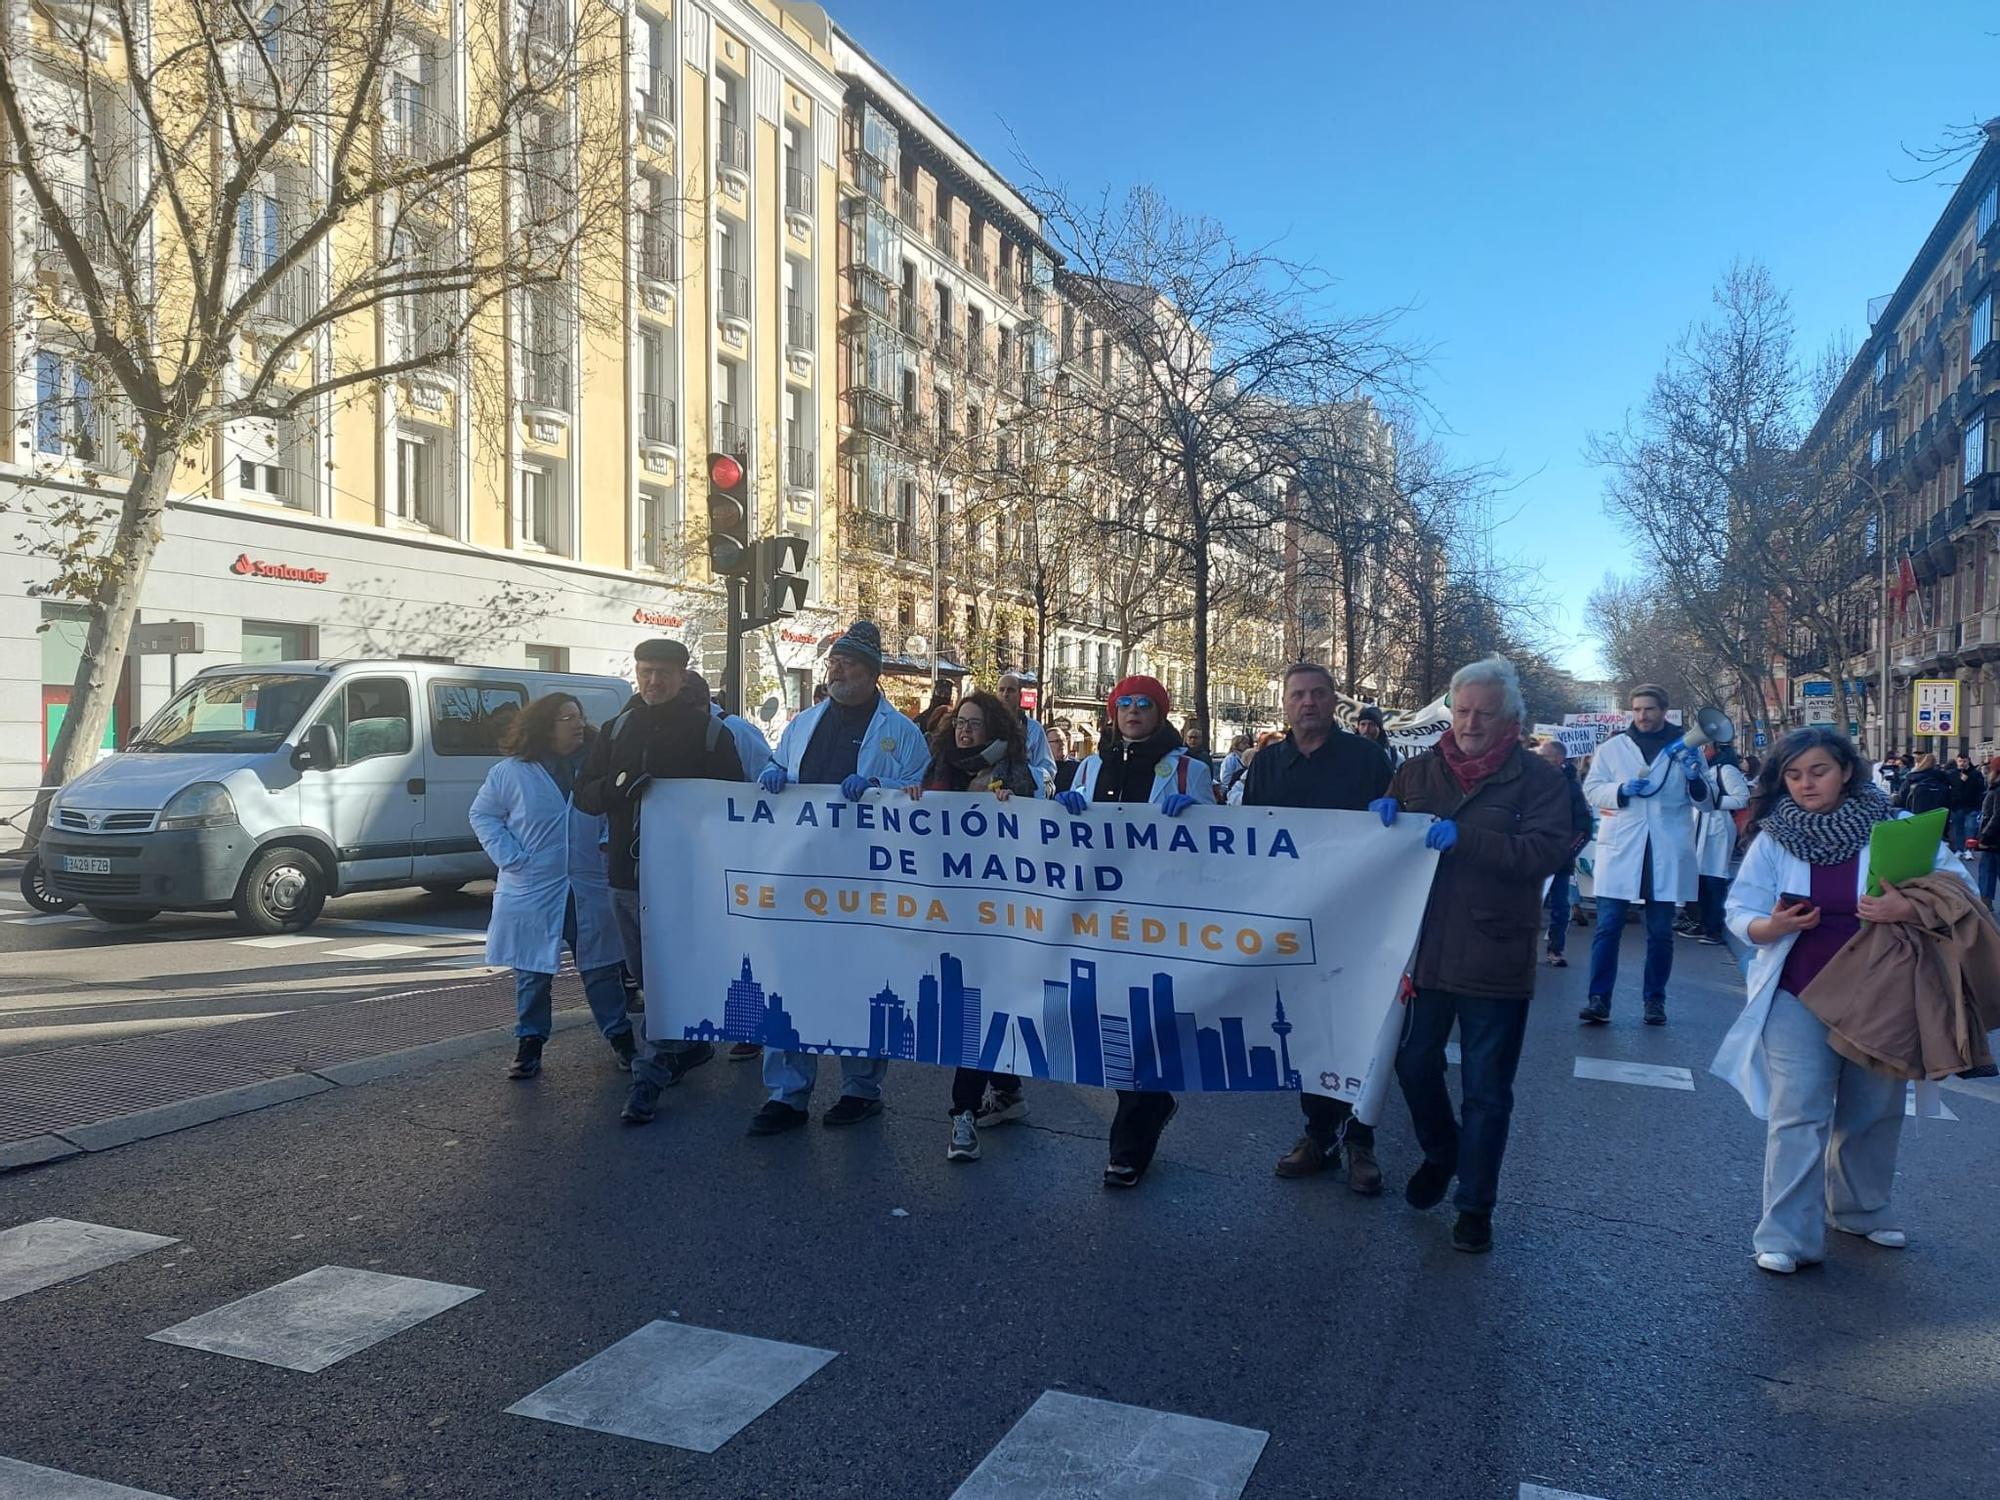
<point x="268" y="788"/>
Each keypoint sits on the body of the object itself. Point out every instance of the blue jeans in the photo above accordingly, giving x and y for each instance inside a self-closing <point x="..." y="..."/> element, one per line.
<point x="1714" y="896"/>
<point x="1956" y="823"/>
<point x="646" y="1065"/>
<point x="1557" y="902"/>
<point x="1989" y="873"/>
<point x="604" y="988"/>
<point x="1489" y="1045"/>
<point x="789" y="1076"/>
<point x="1611" y="929"/>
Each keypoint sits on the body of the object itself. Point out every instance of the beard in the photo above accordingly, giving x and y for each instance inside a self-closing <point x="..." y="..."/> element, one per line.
<point x="850" y="691"/>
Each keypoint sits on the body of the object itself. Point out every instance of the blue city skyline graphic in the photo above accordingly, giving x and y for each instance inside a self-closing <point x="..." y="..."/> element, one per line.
<point x="1077" y="1036"/>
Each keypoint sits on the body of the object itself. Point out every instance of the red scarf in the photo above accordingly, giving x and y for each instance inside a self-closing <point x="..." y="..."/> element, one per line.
<point x="1470" y="770"/>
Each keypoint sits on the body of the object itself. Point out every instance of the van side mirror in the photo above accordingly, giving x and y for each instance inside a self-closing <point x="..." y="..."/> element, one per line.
<point x="318" y="751"/>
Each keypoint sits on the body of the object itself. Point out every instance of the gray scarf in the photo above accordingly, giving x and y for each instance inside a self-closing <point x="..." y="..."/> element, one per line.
<point x="1828" y="838"/>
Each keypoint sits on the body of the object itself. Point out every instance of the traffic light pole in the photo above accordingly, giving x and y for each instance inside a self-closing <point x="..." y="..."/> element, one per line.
<point x="732" y="661"/>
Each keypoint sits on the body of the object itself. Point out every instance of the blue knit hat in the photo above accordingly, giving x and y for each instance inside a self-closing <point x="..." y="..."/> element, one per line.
<point x="862" y="640"/>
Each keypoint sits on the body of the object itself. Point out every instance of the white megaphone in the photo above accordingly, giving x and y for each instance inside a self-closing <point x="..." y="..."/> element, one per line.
<point x="1711" y="727"/>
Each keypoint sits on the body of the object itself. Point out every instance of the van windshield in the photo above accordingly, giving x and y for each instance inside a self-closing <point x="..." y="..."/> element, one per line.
<point x="243" y="711"/>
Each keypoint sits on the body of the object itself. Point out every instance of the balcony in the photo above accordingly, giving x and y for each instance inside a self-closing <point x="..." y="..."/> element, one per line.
<point x="418" y="131"/>
<point x="979" y="361"/>
<point x="945" y="237"/>
<point x="545" y="383"/>
<point x="910" y="209"/>
<point x="799" y="199"/>
<point x="950" y="348"/>
<point x="732" y="303"/>
<point x="873" y="413"/>
<point x="732" y="154"/>
<point x="872" y="531"/>
<point x="655" y="253"/>
<point x="286" y="302"/>
<point x="801" y="472"/>
<point x="798" y="328"/>
<point x="730" y="435"/>
<point x="976" y="263"/>
<point x="659" y="421"/>
<point x="656" y="99"/>
<point x="547" y="27"/>
<point x="91" y="232"/>
<point x="915" y="324"/>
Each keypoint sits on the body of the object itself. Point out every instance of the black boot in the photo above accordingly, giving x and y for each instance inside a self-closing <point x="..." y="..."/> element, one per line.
<point x="527" y="1058"/>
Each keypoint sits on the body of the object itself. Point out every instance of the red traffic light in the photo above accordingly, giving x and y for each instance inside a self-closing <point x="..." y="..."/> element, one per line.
<point x="724" y="471"/>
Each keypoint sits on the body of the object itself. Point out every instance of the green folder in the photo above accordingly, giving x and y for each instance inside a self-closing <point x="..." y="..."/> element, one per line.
<point x="1903" y="848"/>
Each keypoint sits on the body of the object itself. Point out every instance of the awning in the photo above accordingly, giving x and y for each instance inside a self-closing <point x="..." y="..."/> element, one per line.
<point x="920" y="666"/>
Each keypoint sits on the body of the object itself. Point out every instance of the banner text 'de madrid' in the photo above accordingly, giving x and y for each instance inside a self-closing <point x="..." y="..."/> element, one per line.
<point x="1188" y="934"/>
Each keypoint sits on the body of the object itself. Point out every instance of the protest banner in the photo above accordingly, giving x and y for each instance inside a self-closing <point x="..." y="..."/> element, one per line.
<point x="1231" y="950"/>
<point x="1576" y="739"/>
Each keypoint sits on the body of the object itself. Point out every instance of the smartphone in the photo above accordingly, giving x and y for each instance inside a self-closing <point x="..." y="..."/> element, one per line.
<point x="1792" y="901"/>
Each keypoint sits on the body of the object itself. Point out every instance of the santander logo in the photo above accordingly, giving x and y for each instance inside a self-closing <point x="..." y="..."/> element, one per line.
<point x="644" y="616"/>
<point x="247" y="566"/>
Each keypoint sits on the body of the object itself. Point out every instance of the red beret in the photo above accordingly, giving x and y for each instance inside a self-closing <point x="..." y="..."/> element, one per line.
<point x="1150" y="686"/>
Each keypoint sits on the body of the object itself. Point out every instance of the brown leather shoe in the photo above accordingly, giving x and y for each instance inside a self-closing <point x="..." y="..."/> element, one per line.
<point x="1364" y="1175"/>
<point x="1306" y="1157"/>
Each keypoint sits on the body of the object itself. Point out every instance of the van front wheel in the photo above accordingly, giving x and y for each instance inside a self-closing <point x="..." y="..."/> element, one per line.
<point x="282" y="891"/>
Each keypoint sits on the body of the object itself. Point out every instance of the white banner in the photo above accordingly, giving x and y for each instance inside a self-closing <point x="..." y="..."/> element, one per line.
<point x="1576" y="739"/>
<point x="1233" y="949"/>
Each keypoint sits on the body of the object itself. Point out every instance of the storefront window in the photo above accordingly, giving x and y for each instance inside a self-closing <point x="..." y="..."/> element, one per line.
<point x="265" y="642"/>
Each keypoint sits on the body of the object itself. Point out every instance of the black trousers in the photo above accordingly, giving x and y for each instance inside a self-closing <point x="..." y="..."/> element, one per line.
<point x="1325" y="1117"/>
<point x="1489" y="1044"/>
<point x="1135" y="1129"/>
<point x="969" y="1085"/>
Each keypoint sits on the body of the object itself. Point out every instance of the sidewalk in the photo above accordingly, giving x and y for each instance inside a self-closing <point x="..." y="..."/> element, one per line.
<point x="61" y="1101"/>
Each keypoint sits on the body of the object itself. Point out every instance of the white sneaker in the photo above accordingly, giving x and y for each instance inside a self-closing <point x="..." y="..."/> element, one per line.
<point x="1774" y="1260"/>
<point x="1888" y="1239"/>
<point x="964" y="1139"/>
<point x="1002" y="1109"/>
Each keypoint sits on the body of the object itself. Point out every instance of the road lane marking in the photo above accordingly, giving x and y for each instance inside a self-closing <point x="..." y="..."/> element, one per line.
<point x="318" y="1319"/>
<point x="1079" y="1445"/>
<point x="377" y="950"/>
<point x="47" y="921"/>
<point x="1652" y="1075"/>
<point x="280" y="940"/>
<point x="1910" y="1106"/>
<point x="404" y="929"/>
<point x="676" y="1385"/>
<point x="33" y="1482"/>
<point x="48" y="1251"/>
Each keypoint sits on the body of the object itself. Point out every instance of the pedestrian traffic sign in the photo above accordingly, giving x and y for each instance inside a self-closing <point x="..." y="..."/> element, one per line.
<point x="1934" y="706"/>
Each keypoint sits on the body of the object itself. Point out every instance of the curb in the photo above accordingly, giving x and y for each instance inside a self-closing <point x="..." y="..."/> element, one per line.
<point x="204" y="1109"/>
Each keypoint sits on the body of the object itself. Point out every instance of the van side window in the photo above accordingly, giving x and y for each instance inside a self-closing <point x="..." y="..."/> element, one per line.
<point x="600" y="705"/>
<point x="371" y="717"/>
<point x="468" y="718"/>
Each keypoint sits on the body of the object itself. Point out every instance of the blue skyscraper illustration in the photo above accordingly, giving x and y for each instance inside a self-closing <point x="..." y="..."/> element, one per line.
<point x="1283" y="1028"/>
<point x="1235" y="1057"/>
<point x="1055" y="1027"/>
<point x="1208" y="1047"/>
<point x="927" y="1019"/>
<point x="1117" y="1043"/>
<point x="996" y="1038"/>
<point x="1085" y="1034"/>
<point x="1166" y="1036"/>
<point x="743" y="1006"/>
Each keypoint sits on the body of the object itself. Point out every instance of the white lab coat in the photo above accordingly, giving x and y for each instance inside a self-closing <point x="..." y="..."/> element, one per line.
<point x="1715" y="839"/>
<point x="1662" y="823"/>
<point x="751" y="746"/>
<point x="893" y="750"/>
<point x="1041" y="759"/>
<point x="1167" y="777"/>
<point x="1767" y="873"/>
<point x="547" y="851"/>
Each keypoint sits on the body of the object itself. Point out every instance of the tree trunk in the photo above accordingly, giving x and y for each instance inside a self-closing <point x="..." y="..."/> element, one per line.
<point x="1201" y="588"/>
<point x="112" y="614"/>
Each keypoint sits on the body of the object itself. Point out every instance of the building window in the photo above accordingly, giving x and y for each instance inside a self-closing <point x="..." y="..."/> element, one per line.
<point x="70" y="417"/>
<point x="425" y="494"/>
<point x="1982" y="325"/>
<point x="1975" y="449"/>
<point x="659" y="529"/>
<point x="1989" y="210"/>
<point x="538" y="507"/>
<point x="548" y="658"/>
<point x="269" y="641"/>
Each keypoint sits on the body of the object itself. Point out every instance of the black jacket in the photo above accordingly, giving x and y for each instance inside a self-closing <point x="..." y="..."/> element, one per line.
<point x="677" y="740"/>
<point x="1925" y="791"/>
<point x="1968" y="787"/>
<point x="1346" y="773"/>
<point x="1989" y="818"/>
<point x="1583" y="821"/>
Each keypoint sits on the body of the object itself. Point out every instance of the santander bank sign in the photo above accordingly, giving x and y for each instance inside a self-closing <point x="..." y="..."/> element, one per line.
<point x="247" y="566"/>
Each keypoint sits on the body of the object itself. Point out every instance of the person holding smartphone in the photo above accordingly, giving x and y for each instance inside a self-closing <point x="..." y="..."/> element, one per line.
<point x="1833" y="1125"/>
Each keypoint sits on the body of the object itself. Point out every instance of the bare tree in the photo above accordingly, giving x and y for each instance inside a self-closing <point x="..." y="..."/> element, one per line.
<point x="250" y="214"/>
<point x="1211" y="344"/>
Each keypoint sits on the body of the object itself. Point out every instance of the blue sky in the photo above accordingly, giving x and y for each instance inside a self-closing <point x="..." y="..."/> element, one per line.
<point x="1552" y="188"/>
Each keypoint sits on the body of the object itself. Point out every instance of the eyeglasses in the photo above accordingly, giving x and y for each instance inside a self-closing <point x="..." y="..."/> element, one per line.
<point x="1135" y="700"/>
<point x="964" y="723"/>
<point x="569" y="718"/>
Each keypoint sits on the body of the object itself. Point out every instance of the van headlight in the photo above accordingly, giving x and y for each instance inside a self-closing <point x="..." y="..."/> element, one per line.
<point x="206" y="804"/>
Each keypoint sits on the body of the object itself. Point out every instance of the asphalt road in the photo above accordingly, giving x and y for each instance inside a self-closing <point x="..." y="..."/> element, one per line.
<point x="1618" y="1343"/>
<point x="71" y="978"/>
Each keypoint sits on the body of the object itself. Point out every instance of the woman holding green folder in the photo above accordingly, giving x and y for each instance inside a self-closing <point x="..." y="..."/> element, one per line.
<point x="1802" y="892"/>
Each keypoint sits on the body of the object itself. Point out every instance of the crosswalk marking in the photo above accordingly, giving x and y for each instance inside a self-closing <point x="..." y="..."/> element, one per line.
<point x="318" y="1319"/>
<point x="377" y="950"/>
<point x="1910" y="1106"/>
<point x="676" y="1385"/>
<point x="22" y="1481"/>
<point x="48" y="1251"/>
<point x="1652" y="1075"/>
<point x="1078" y="1445"/>
<point x="49" y="920"/>
<point x="1543" y="1492"/>
<point x="405" y="929"/>
<point x="280" y="940"/>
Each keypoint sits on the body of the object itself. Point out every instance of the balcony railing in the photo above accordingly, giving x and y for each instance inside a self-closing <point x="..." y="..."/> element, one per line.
<point x="732" y="295"/>
<point x="659" y="419"/>
<point x="800" y="471"/>
<point x="910" y="209"/>
<point x="548" y="25"/>
<point x="916" y="324"/>
<point x="90" y="230"/>
<point x="872" y="531"/>
<point x="798" y="327"/>
<point x="873" y="412"/>
<point x="730" y="435"/>
<point x="656" y="95"/>
<point x="945" y="237"/>
<point x="656" y="253"/>
<point x="732" y="146"/>
<point x="975" y="260"/>
<point x="545" y="380"/>
<point x="950" y="347"/>
<point x="798" y="191"/>
<point x="979" y="360"/>
<point x="419" y="131"/>
<point x="288" y="300"/>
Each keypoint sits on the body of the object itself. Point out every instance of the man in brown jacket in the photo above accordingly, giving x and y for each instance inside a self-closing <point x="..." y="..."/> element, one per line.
<point x="1503" y="827"/>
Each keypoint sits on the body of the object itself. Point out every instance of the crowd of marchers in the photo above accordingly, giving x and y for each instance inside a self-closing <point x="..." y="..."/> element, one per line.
<point x="1852" y="990"/>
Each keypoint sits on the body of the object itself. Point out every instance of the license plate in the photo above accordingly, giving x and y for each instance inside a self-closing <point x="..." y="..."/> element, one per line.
<point x="86" y="864"/>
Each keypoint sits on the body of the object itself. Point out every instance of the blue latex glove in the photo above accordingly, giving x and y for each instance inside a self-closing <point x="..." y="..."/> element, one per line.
<point x="856" y="785"/>
<point x="1072" y="802"/>
<point x="1176" y="803"/>
<point x="1386" y="809"/>
<point x="1636" y="787"/>
<point x="772" y="778"/>
<point x="1442" y="835"/>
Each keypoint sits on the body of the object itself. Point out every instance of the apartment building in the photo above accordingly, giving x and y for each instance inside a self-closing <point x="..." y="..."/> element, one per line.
<point x="530" y="503"/>
<point x="1914" y="427"/>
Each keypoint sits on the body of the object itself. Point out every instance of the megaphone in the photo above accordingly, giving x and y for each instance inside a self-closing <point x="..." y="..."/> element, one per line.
<point x="1711" y="727"/>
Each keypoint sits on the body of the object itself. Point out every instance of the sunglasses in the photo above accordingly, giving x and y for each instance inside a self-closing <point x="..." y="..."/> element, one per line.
<point x="1135" y="700"/>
